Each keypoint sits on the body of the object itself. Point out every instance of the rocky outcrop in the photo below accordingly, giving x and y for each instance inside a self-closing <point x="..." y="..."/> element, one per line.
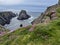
<point x="59" y="2"/>
<point x="5" y="17"/>
<point x="23" y="15"/>
<point x="3" y="30"/>
<point x="39" y="19"/>
<point x="49" y="14"/>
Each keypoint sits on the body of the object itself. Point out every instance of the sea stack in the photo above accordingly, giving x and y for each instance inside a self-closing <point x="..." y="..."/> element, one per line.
<point x="23" y="15"/>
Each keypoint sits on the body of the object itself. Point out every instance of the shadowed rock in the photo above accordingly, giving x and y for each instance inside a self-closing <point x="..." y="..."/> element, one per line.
<point x="21" y="25"/>
<point x="5" y="17"/>
<point x="23" y="15"/>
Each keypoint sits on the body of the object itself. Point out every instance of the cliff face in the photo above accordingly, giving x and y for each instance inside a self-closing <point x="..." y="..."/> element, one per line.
<point x="59" y="2"/>
<point x="48" y="15"/>
<point x="5" y="17"/>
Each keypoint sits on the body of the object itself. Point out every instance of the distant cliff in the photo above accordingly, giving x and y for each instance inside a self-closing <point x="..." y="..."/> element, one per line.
<point x="5" y="17"/>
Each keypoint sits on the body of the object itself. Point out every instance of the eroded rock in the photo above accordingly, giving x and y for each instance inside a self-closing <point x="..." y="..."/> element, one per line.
<point x="23" y="15"/>
<point x="5" y="17"/>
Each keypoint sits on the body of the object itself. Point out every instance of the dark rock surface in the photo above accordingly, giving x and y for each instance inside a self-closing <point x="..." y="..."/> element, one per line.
<point x="23" y="15"/>
<point x="5" y="17"/>
<point x="58" y="2"/>
<point x="21" y="25"/>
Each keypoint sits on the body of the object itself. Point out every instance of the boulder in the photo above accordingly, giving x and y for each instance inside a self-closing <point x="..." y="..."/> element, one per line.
<point x="5" y="17"/>
<point x="23" y="15"/>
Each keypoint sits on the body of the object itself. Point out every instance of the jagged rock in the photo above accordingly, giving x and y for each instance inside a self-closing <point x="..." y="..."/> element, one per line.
<point x="5" y="17"/>
<point x="23" y="15"/>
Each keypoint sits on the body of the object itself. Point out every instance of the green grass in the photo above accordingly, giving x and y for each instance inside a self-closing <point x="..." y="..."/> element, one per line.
<point x="58" y="9"/>
<point x="42" y="35"/>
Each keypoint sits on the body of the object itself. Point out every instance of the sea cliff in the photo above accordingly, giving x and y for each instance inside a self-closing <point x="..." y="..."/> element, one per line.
<point x="50" y="11"/>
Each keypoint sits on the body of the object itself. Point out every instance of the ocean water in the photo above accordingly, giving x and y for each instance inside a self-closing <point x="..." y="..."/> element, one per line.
<point x="33" y="10"/>
<point x="15" y="24"/>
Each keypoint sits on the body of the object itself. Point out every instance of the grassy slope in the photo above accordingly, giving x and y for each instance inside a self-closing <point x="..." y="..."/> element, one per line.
<point x="2" y="29"/>
<point x="42" y="35"/>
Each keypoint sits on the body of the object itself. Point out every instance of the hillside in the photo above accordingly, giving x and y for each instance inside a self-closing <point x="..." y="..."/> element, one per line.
<point x="48" y="35"/>
<point x="50" y="11"/>
<point x="42" y="34"/>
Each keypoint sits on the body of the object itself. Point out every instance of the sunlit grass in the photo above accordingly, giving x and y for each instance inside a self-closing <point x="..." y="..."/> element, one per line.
<point x="42" y="35"/>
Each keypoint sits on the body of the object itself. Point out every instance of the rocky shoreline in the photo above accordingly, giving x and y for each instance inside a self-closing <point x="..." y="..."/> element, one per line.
<point x="5" y="17"/>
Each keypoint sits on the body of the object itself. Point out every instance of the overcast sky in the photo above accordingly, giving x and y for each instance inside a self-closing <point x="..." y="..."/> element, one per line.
<point x="30" y="5"/>
<point x="26" y="2"/>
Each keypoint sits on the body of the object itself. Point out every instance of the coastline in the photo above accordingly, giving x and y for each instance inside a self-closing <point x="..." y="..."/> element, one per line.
<point x="43" y="14"/>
